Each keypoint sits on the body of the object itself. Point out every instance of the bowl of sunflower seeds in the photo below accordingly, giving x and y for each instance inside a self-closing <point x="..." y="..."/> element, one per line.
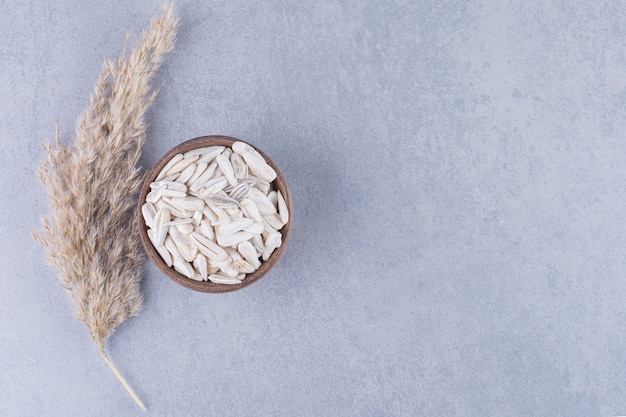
<point x="215" y="214"/>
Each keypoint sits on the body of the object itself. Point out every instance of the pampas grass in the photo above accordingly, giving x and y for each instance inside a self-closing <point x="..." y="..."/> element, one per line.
<point x="92" y="185"/>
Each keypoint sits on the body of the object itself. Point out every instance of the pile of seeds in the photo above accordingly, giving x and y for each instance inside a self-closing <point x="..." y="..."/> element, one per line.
<point x="213" y="214"/>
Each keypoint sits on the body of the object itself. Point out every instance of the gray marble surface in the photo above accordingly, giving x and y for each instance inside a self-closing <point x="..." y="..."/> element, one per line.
<point x="458" y="170"/>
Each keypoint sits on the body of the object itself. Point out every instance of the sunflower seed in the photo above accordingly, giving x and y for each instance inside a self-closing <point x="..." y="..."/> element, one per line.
<point x="178" y="221"/>
<point x="227" y="168"/>
<point x="209" y="248"/>
<point x="274" y="220"/>
<point x="165" y="203"/>
<point x="154" y="195"/>
<point x="220" y="201"/>
<point x="244" y="266"/>
<point x="183" y="244"/>
<point x="260" y="184"/>
<point x="232" y="226"/>
<point x="271" y="243"/>
<point x="186" y="174"/>
<point x="197" y="218"/>
<point x="181" y="165"/>
<point x="209" y="214"/>
<point x="199" y="182"/>
<point x="177" y="158"/>
<point x="233" y="238"/>
<point x="255" y="228"/>
<point x="171" y="247"/>
<point x="250" y="209"/>
<point x="207" y="230"/>
<point x="161" y="249"/>
<point x="199" y="170"/>
<point x="188" y="203"/>
<point x="160" y="230"/>
<point x="240" y="192"/>
<point x="183" y="267"/>
<point x="200" y="264"/>
<point x="263" y="203"/>
<point x="221" y="279"/>
<point x="239" y="166"/>
<point x="184" y="228"/>
<point x="171" y="193"/>
<point x="149" y="212"/>
<point x="206" y="153"/>
<point x="257" y="243"/>
<point x="273" y="197"/>
<point x="174" y="186"/>
<point x="283" y="211"/>
<point x="214" y="185"/>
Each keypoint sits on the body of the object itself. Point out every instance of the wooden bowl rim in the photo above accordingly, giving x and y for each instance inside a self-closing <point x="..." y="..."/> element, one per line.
<point x="206" y="286"/>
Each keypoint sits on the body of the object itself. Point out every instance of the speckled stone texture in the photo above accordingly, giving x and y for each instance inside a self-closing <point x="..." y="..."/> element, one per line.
<point x="458" y="171"/>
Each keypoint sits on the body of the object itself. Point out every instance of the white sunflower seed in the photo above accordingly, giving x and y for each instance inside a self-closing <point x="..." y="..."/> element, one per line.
<point x="232" y="226"/>
<point x="160" y="229"/>
<point x="165" y="203"/>
<point x="186" y="174"/>
<point x="149" y="212"/>
<point x="220" y="201"/>
<point x="181" y="165"/>
<point x="200" y="264"/>
<point x="221" y="279"/>
<point x="273" y="197"/>
<point x="206" y="230"/>
<point x="283" y="211"/>
<point x="227" y="169"/>
<point x="175" y="159"/>
<point x="260" y="184"/>
<point x="244" y="266"/>
<point x="209" y="214"/>
<point x="197" y="277"/>
<point x="239" y="166"/>
<point x="206" y="153"/>
<point x="178" y="221"/>
<point x="250" y="209"/>
<point x="249" y="253"/>
<point x="183" y="244"/>
<point x="183" y="267"/>
<point x="197" y="218"/>
<point x="263" y="203"/>
<point x="185" y="228"/>
<point x="257" y="243"/>
<point x="233" y="238"/>
<point x="187" y="203"/>
<point x="154" y="195"/>
<point x="214" y="185"/>
<point x="274" y="220"/>
<point x="200" y="168"/>
<point x="255" y="228"/>
<point x="240" y="192"/>
<point x="210" y="153"/>
<point x="209" y="248"/>
<point x="171" y="193"/>
<point x="199" y="182"/>
<point x="171" y="247"/>
<point x="271" y="243"/>
<point x="161" y="249"/>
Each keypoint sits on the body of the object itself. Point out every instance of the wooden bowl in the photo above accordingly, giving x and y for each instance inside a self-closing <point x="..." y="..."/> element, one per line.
<point x="206" y="286"/>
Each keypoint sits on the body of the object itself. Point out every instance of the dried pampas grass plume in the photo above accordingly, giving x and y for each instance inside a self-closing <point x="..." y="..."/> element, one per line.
<point x="92" y="186"/>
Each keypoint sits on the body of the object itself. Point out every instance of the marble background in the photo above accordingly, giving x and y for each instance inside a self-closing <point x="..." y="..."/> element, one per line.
<point x="458" y="170"/>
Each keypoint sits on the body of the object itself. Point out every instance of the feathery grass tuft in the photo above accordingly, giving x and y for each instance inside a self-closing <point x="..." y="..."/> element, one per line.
<point x="92" y="186"/>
